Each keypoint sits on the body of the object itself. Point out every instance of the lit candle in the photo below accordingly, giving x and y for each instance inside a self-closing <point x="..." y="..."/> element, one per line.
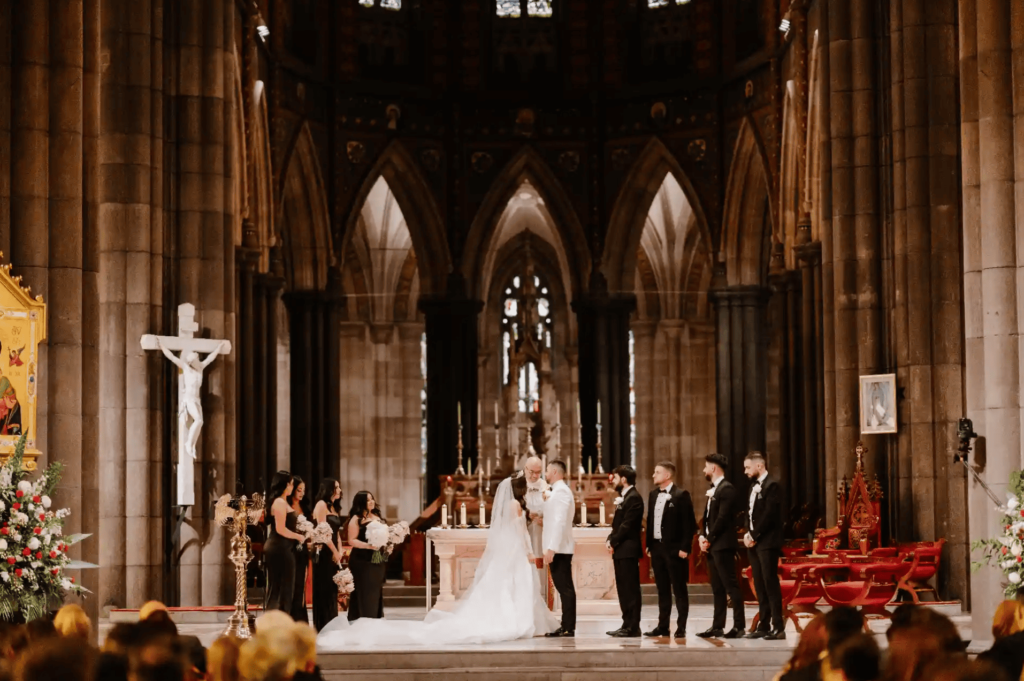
<point x="599" y="411"/>
<point x="568" y="464"/>
<point x="495" y="413"/>
<point x="463" y="513"/>
<point x="479" y="418"/>
<point x="469" y="465"/>
<point x="458" y="407"/>
<point x="488" y="468"/>
<point x="483" y="514"/>
<point x="601" y="513"/>
<point x="558" y="413"/>
<point x="590" y="466"/>
<point x="583" y="514"/>
<point x="578" y="421"/>
<point x="480" y="476"/>
<point x="444" y="515"/>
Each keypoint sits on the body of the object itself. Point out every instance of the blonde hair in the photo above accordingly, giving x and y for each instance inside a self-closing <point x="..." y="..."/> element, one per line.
<point x="280" y="648"/>
<point x="305" y="644"/>
<point x="1009" y="619"/>
<point x="71" y="621"/>
<point x="149" y="608"/>
<point x="222" y="659"/>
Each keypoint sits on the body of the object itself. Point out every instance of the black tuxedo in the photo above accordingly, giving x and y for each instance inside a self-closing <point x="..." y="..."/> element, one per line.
<point x="720" y="531"/>
<point x="671" y="571"/>
<point x="625" y="542"/>
<point x="764" y="525"/>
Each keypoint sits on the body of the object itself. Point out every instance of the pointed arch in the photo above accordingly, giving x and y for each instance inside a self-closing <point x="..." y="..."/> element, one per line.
<point x="747" y="203"/>
<point x="422" y="217"/>
<point x="304" y="217"/>
<point x="526" y="166"/>
<point x="632" y="206"/>
<point x="790" y="175"/>
<point x="811" y="205"/>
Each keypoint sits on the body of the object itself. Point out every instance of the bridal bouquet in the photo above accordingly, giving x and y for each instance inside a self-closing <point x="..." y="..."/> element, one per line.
<point x="377" y="534"/>
<point x="33" y="551"/>
<point x="1007" y="550"/>
<point x="303" y="526"/>
<point x="346" y="584"/>
<point x="320" y="535"/>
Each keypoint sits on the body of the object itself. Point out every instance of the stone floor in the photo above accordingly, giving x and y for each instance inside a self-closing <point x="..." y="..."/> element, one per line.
<point x="591" y="655"/>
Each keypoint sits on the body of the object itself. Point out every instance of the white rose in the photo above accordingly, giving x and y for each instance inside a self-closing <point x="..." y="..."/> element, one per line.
<point x="3" y="506"/>
<point x="33" y="543"/>
<point x="3" y="544"/>
<point x="1012" y="503"/>
<point x="64" y="583"/>
<point x="4" y="576"/>
<point x="1007" y="564"/>
<point x="35" y="564"/>
<point x="25" y="486"/>
<point x="1015" y="550"/>
<point x="46" y="502"/>
<point x="31" y="507"/>
<point x="1014" y="578"/>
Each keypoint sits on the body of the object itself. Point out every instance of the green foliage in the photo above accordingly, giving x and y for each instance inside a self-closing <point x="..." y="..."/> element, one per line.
<point x="999" y="551"/>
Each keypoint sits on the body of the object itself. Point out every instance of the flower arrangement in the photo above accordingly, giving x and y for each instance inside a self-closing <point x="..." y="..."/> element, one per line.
<point x="1005" y="551"/>
<point x="377" y="534"/>
<point x="346" y="584"/>
<point x="33" y="551"/>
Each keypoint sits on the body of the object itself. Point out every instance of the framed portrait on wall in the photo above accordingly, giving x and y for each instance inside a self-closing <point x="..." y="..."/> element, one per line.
<point x="878" y="404"/>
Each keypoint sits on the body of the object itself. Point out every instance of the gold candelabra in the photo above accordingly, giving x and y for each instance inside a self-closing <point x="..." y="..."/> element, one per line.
<point x="600" y="468"/>
<point x="460" y="470"/>
<point x="236" y="514"/>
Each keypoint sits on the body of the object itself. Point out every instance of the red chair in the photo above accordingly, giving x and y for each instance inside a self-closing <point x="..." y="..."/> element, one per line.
<point x="924" y="559"/>
<point x="870" y="587"/>
<point x="800" y="595"/>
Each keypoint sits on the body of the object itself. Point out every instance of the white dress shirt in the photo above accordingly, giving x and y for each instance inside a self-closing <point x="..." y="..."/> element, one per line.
<point x="753" y="496"/>
<point x="659" y="509"/>
<point x="559" y="510"/>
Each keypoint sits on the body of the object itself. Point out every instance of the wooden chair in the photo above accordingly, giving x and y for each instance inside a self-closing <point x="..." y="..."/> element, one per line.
<point x="859" y="528"/>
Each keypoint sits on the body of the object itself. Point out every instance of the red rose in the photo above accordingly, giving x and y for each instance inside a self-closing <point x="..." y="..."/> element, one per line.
<point x="42" y="516"/>
<point x="16" y="506"/>
<point x="26" y="552"/>
<point x="4" y="530"/>
<point x="1005" y="550"/>
<point x="36" y="499"/>
<point x="19" y="494"/>
<point x="1020" y="559"/>
<point x="72" y="580"/>
<point x="38" y="530"/>
<point x="1022" y="513"/>
<point x="39" y="556"/>
<point x="56" y="570"/>
<point x="12" y="560"/>
<point x="53" y="554"/>
<point x="17" y="573"/>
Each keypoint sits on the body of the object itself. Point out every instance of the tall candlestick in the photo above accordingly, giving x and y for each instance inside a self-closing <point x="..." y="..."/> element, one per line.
<point x="599" y="411"/>
<point x="479" y="418"/>
<point x="483" y="514"/>
<point x="495" y="413"/>
<point x="458" y="407"/>
<point x="558" y="413"/>
<point x="590" y="466"/>
<point x="601" y="514"/>
<point x="469" y="467"/>
<point x="464" y="514"/>
<point x="583" y="514"/>
<point x="488" y="469"/>
<point x="444" y="515"/>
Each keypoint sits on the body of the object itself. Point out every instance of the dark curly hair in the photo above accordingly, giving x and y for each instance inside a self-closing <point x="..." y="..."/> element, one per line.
<point x="519" y="493"/>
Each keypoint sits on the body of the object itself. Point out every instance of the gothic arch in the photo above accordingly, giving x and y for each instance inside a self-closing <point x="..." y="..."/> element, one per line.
<point x="811" y="205"/>
<point x="304" y="217"/>
<point x="423" y="219"/>
<point x="790" y="175"/>
<point x="747" y="203"/>
<point x="629" y="214"/>
<point x="526" y="166"/>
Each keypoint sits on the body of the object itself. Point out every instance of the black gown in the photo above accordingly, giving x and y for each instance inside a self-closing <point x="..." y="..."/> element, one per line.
<point x="325" y="591"/>
<point x="298" y="610"/>
<point x="279" y="562"/>
<point x="368" y="598"/>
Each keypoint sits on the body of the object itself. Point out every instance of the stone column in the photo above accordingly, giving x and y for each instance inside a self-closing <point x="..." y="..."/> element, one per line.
<point x="810" y="467"/>
<point x="740" y="365"/>
<point x="451" y="327"/>
<point x="650" y="387"/>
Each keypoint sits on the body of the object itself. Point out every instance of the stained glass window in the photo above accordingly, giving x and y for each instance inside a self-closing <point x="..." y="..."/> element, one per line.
<point x="529" y="388"/>
<point x="539" y="8"/>
<point x="632" y="400"/>
<point x="506" y="343"/>
<point x="666" y="3"/>
<point x="391" y="4"/>
<point x="508" y="8"/>
<point x="366" y="3"/>
<point x="513" y="9"/>
<point x="539" y="319"/>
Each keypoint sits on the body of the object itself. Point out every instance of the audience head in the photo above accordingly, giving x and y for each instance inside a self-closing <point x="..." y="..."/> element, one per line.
<point x="63" y="659"/>
<point x="330" y="494"/>
<point x="842" y="624"/>
<point x="158" y="625"/>
<point x="1008" y="620"/>
<point x="280" y="485"/>
<point x="13" y="640"/>
<point x="111" y="667"/>
<point x="925" y="635"/>
<point x="363" y="504"/>
<point x="305" y="644"/>
<point x="812" y="644"/>
<point x="959" y="668"/>
<point x="533" y="469"/>
<point x="859" y="658"/>
<point x="222" y="659"/>
<point x="40" y="629"/>
<point x="149" y="608"/>
<point x="556" y="470"/>
<point x="121" y="638"/>
<point x="754" y="465"/>
<point x="901" y="617"/>
<point x="714" y="466"/>
<point x="623" y="476"/>
<point x="72" y="622"/>
<point x="664" y="473"/>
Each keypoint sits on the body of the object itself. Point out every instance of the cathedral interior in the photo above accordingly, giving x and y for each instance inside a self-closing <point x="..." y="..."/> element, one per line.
<point x="679" y="226"/>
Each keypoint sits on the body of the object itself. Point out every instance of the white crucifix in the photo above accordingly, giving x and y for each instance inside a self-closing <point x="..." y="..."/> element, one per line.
<point x="190" y="383"/>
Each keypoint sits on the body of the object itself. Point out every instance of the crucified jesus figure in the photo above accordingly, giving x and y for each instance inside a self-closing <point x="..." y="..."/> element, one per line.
<point x="191" y="383"/>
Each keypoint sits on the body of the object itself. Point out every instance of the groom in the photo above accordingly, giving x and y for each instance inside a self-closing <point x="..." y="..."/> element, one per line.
<point x="559" y="545"/>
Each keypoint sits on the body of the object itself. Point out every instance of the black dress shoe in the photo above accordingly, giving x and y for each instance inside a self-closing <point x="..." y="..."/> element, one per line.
<point x="777" y="635"/>
<point x="561" y="633"/>
<point x="657" y="632"/>
<point x="627" y="633"/>
<point x="757" y="633"/>
<point x="553" y="634"/>
<point x="733" y="633"/>
<point x="712" y="633"/>
<point x="614" y="633"/>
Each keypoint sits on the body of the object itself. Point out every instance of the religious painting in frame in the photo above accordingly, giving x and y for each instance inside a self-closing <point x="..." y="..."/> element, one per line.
<point x="878" y="404"/>
<point x="22" y="329"/>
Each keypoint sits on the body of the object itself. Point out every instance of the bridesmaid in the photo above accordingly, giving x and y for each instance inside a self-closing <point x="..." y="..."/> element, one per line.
<point x="325" y="563"/>
<point x="368" y="598"/>
<point x="298" y="610"/>
<point x="279" y="549"/>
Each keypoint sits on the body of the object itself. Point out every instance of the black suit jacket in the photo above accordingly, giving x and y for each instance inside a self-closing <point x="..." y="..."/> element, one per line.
<point x="766" y="524"/>
<point x="626" y="526"/>
<point x="678" y="522"/>
<point x="720" y="517"/>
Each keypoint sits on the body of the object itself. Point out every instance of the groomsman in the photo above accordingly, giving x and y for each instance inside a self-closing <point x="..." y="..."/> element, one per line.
<point x="720" y="545"/>
<point x="624" y="545"/>
<point x="764" y="546"/>
<point x="671" y="525"/>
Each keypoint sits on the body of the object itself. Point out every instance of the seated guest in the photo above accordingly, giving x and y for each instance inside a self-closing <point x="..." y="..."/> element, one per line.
<point x="928" y="635"/>
<point x="111" y="667"/>
<point x="859" y="659"/>
<point x="72" y="622"/>
<point x="808" y="651"/>
<point x="222" y="659"/>
<point x="40" y="629"/>
<point x="64" y="659"/>
<point x="841" y="624"/>
<point x="149" y="608"/>
<point x="959" y="668"/>
<point x="1007" y="652"/>
<point x="120" y="639"/>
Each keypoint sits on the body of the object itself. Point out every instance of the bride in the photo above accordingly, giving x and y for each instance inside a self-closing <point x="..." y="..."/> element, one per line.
<point x="502" y="604"/>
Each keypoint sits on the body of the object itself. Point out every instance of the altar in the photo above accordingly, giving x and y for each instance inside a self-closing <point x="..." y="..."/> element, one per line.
<point x="459" y="550"/>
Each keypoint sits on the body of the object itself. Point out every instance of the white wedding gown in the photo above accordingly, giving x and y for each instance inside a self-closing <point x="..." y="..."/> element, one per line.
<point x="502" y="604"/>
